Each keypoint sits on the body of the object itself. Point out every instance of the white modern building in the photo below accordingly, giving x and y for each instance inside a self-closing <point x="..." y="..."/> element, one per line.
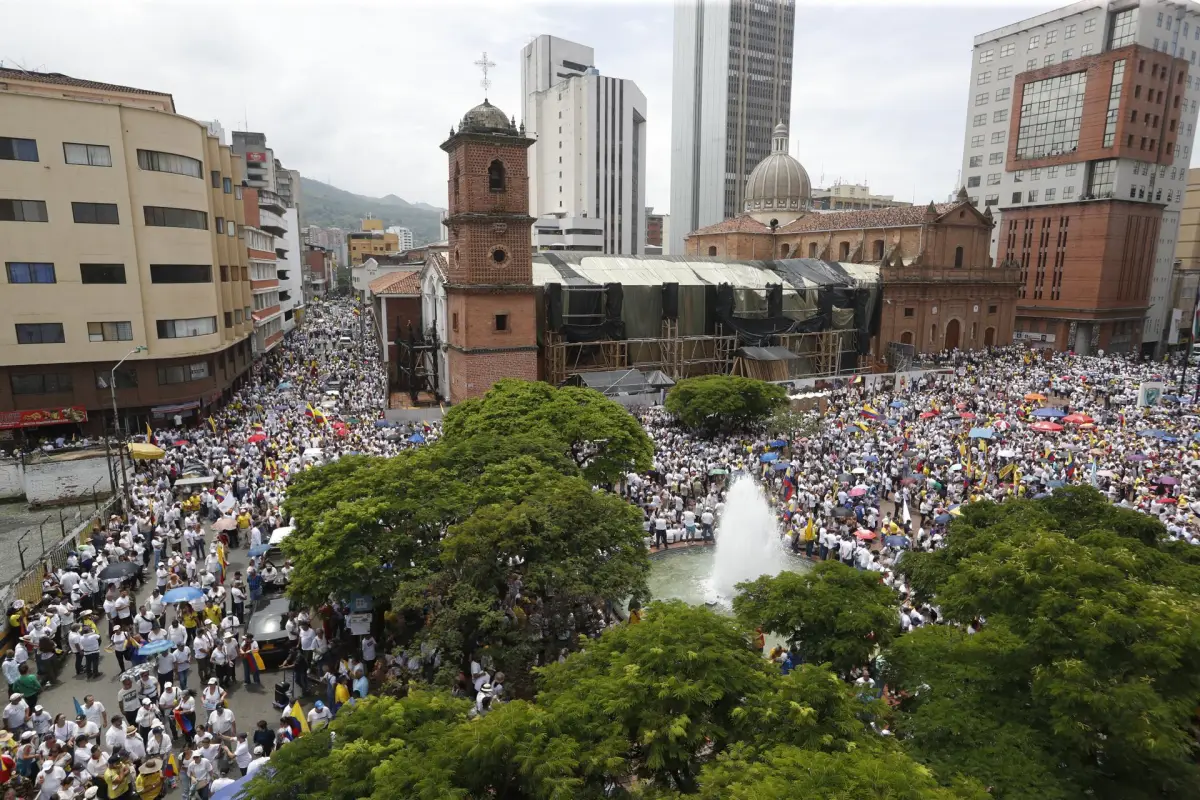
<point x="290" y="272"/>
<point x="404" y="235"/>
<point x="731" y="85"/>
<point x="588" y="163"/>
<point x="545" y="62"/>
<point x="1045" y="150"/>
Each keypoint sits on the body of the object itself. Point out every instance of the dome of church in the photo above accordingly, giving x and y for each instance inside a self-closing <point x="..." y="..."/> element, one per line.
<point x="486" y="118"/>
<point x="779" y="182"/>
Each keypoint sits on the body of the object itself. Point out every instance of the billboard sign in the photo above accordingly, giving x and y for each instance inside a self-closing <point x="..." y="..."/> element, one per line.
<point x="42" y="416"/>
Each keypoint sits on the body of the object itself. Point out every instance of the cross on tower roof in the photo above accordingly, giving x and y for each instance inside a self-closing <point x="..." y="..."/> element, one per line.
<point x="484" y="65"/>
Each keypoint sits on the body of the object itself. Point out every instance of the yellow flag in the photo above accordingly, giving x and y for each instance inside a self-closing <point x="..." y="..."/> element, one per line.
<point x="212" y="422"/>
<point x="298" y="713"/>
<point x="149" y="433"/>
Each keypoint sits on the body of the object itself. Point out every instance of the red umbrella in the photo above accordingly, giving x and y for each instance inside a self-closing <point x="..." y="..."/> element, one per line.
<point x="863" y="533"/>
<point x="1077" y="419"/>
<point x="960" y="406"/>
<point x="258" y="437"/>
<point x="928" y="414"/>
<point x="180" y="442"/>
<point x="342" y="431"/>
<point x="966" y="415"/>
<point x="1046" y="427"/>
<point x="857" y="491"/>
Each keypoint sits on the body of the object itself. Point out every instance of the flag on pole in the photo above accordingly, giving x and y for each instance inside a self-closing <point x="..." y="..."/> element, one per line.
<point x="182" y="722"/>
<point x="904" y="514"/>
<point x="212" y="422"/>
<point x="259" y="666"/>
<point x="149" y="434"/>
<point x="78" y="707"/>
<point x="171" y="766"/>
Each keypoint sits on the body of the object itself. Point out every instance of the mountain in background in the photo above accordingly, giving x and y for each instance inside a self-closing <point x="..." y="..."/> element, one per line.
<point x="331" y="207"/>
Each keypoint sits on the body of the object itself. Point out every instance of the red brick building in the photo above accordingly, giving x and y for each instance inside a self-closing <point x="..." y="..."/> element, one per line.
<point x="397" y="300"/>
<point x="490" y="299"/>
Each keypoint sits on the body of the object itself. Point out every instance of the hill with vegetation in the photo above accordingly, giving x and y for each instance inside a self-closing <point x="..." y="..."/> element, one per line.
<point x="331" y="207"/>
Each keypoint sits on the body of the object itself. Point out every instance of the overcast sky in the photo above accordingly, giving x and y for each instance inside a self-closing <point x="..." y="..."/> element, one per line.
<point x="360" y="93"/>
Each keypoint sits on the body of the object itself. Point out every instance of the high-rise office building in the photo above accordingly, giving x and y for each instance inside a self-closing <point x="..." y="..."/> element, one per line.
<point x="1079" y="129"/>
<point x="587" y="167"/>
<point x="731" y="85"/>
<point x="122" y="224"/>
<point x="404" y="237"/>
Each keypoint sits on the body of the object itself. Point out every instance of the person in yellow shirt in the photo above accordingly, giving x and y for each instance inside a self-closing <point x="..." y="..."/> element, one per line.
<point x="190" y="620"/>
<point x="341" y="694"/>
<point x="213" y="613"/>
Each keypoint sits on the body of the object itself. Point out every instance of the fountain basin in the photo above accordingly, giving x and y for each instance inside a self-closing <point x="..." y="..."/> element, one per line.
<point x="685" y="573"/>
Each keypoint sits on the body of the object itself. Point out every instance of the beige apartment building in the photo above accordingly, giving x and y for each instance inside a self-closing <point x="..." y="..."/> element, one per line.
<point x="121" y="225"/>
<point x="370" y="242"/>
<point x="1185" y="275"/>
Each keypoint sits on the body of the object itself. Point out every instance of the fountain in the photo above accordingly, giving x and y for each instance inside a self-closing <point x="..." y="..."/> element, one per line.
<point x="748" y="545"/>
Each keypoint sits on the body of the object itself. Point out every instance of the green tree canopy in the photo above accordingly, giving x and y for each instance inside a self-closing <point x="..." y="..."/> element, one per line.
<point x="603" y="439"/>
<point x="1090" y="656"/>
<point x="724" y="402"/>
<point x="833" y="613"/>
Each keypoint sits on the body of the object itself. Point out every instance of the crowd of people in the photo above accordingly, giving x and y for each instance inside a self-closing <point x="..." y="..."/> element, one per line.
<point x="156" y="589"/>
<point x="883" y="471"/>
<point x="890" y="462"/>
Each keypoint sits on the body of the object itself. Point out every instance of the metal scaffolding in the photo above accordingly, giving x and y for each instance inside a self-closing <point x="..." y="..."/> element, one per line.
<point x="416" y="367"/>
<point x="677" y="356"/>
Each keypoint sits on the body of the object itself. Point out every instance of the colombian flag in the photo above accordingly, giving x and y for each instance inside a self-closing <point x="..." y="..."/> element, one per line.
<point x="182" y="722"/>
<point x="297" y="721"/>
<point x="171" y="766"/>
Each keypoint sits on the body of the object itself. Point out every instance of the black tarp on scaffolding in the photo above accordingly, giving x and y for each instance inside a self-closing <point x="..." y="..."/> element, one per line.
<point x="613" y="383"/>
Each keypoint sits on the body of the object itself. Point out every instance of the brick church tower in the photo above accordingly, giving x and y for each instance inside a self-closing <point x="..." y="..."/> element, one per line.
<point x="490" y="301"/>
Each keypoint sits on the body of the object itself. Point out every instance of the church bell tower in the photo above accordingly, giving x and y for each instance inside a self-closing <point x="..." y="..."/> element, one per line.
<point x="490" y="300"/>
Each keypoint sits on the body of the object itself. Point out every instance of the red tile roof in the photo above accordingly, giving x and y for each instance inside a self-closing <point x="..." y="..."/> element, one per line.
<point x="741" y="224"/>
<point x="864" y="218"/>
<point x="66" y="80"/>
<point x="406" y="282"/>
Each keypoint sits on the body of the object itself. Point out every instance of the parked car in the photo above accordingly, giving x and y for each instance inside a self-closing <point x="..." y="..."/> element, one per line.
<point x="266" y="623"/>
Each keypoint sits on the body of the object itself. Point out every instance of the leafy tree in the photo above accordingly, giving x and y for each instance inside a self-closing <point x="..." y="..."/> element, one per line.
<point x="792" y="425"/>
<point x="1092" y="645"/>
<point x="724" y="402"/>
<point x="603" y="439"/>
<point x="833" y="613"/>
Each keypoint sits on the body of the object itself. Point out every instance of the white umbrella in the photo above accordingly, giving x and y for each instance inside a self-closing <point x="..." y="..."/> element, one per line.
<point x="859" y="471"/>
<point x="956" y="467"/>
<point x="279" y="534"/>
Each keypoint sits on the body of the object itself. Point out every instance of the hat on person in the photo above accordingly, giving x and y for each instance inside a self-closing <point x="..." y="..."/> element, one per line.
<point x="38" y="709"/>
<point x="91" y="792"/>
<point x="114" y="760"/>
<point x="130" y="729"/>
<point x="27" y="735"/>
<point x="145" y="701"/>
<point x="151" y="767"/>
<point x="47" y="766"/>
<point x="318" y="704"/>
<point x="14" y="697"/>
<point x="167" y="685"/>
<point x="213" y="681"/>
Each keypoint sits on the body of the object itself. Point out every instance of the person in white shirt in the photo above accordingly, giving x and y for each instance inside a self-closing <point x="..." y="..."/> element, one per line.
<point x="49" y="780"/>
<point x="41" y="721"/>
<point x="16" y="715"/>
<point x="114" y="737"/>
<point x="134" y="745"/>
<point x="319" y="716"/>
<point x="200" y="772"/>
<point x="241" y="753"/>
<point x="222" y="723"/>
<point x="257" y="762"/>
<point x="158" y="743"/>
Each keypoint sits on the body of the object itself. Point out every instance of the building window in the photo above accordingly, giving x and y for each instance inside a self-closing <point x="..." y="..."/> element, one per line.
<point x="227" y="185"/>
<point x="40" y="333"/>
<point x="162" y="217"/>
<point x="237" y="192"/>
<point x="977" y="141"/>
<point x="877" y="247"/>
<point x="1007" y="50"/>
<point x="712" y="250"/>
<point x="976" y="161"/>
<point x="228" y="319"/>
<point x="87" y="155"/>
<point x="110" y="331"/>
<point x="101" y="273"/>
<point x="1003" y="93"/>
<point x="1067" y="54"/>
<point x="237" y="316"/>
<point x="23" y="211"/>
<point x="18" y="149"/>
<point x="910" y="312"/>
<point x="812" y="249"/>
<point x="95" y="213"/>
<point x="1000" y="116"/>
<point x="183" y="373"/>
<point x="984" y="57"/>
<point x="181" y="273"/>
<point x="1070" y="170"/>
<point x="1086" y="50"/>
<point x="224" y="273"/>
<point x="1004" y="72"/>
<point x="996" y="158"/>
<point x="1048" y="60"/>
<point x="185" y="328"/>
<point x="502" y="322"/>
<point x="1089" y="25"/>
<point x="1069" y="31"/>
<point x="1050" y="194"/>
<point x="1114" y="101"/>
<point x="1068" y="192"/>
<point x="998" y="137"/>
<point x="155" y="161"/>
<point x="496" y="176"/>
<point x="993" y="179"/>
<point x="1035" y="41"/>
<point x="215" y="177"/>
<point x="844" y="251"/>
<point x="45" y="383"/>
<point x="1101" y="178"/>
<point x="979" y="120"/>
<point x="980" y="100"/>
<point x="1019" y="176"/>
<point x="958" y="256"/>
<point x="1051" y="110"/>
<point x="1016" y="197"/>
<point x="972" y="181"/>
<point x="983" y="77"/>
<point x="1032" y="195"/>
<point x="1124" y="28"/>
<point x="1051" y="37"/>
<point x="454" y="321"/>
<point x="30" y="272"/>
<point x="124" y="378"/>
<point x="991" y="200"/>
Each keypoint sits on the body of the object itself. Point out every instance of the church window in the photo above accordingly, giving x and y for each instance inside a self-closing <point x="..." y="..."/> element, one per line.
<point x="785" y="250"/>
<point x="499" y="256"/>
<point x="958" y="256"/>
<point x="496" y="178"/>
<point x="812" y="249"/>
<point x="712" y="249"/>
<point x="843" y="251"/>
<point x="878" y="248"/>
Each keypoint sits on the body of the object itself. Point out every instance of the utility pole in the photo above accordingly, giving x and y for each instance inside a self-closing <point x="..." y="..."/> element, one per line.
<point x="112" y="387"/>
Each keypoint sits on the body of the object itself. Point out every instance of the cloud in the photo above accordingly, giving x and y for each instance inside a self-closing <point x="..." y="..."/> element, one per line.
<point x="361" y="93"/>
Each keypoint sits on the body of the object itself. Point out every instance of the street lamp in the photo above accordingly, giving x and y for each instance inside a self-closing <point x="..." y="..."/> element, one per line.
<point x="112" y="387"/>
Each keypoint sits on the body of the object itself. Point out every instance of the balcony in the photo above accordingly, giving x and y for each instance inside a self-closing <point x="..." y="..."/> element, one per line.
<point x="271" y="222"/>
<point x="266" y="315"/>
<point x="952" y="275"/>
<point x="270" y="200"/>
<point x="263" y="286"/>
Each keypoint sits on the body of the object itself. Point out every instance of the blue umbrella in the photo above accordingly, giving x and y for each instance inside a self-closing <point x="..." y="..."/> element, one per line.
<point x="777" y="443"/>
<point x="184" y="594"/>
<point x="898" y="404"/>
<point x="259" y="550"/>
<point x="1196" y="437"/>
<point x="1152" y="433"/>
<point x="417" y="438"/>
<point x="1167" y="438"/>
<point x="891" y="421"/>
<point x="982" y="433"/>
<point x="1056" y="484"/>
<point x="284" y="385"/>
<point x="1041" y="496"/>
<point x="154" y="648"/>
<point x="871" y="458"/>
<point x="382" y="423"/>
<point x="766" y="457"/>
<point x="234" y="791"/>
<point x="780" y="466"/>
<point x="1050" y="413"/>
<point x="942" y="518"/>
<point x="1171" y="398"/>
<point x="896" y="541"/>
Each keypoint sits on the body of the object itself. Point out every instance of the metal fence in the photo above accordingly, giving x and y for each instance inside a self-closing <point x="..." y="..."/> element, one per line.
<point x="46" y="547"/>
